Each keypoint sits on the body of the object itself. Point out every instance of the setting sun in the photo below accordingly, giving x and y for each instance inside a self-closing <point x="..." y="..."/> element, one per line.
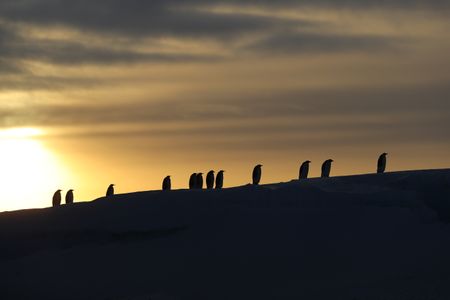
<point x="29" y="171"/>
<point x="24" y="132"/>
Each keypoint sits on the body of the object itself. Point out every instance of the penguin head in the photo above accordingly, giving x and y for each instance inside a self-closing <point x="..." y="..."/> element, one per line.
<point x="70" y="191"/>
<point x="259" y="166"/>
<point x="58" y="191"/>
<point x="330" y="160"/>
<point x="307" y="161"/>
<point x="199" y="173"/>
<point x="112" y="184"/>
<point x="384" y="154"/>
<point x="221" y="171"/>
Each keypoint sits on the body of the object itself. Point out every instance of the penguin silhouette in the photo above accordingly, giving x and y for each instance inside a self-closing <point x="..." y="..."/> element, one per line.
<point x="199" y="180"/>
<point x="110" y="190"/>
<point x="193" y="181"/>
<point x="69" y="197"/>
<point x="326" y="168"/>
<point x="256" y="175"/>
<point x="381" y="165"/>
<point x="166" y="185"/>
<point x="219" y="179"/>
<point x="56" y="201"/>
<point x="304" y="170"/>
<point x="210" y="180"/>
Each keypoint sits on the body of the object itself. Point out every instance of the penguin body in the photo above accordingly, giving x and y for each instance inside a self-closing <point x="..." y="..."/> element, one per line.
<point x="199" y="180"/>
<point x="167" y="184"/>
<point x="256" y="175"/>
<point x="210" y="180"/>
<point x="381" y="165"/>
<point x="326" y="168"/>
<point x="219" y="179"/>
<point x="304" y="170"/>
<point x="56" y="200"/>
<point x="110" y="190"/>
<point x="69" y="197"/>
<point x="193" y="181"/>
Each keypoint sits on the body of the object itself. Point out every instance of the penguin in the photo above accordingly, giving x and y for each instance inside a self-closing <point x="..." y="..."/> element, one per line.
<point x="304" y="170"/>
<point x="166" y="185"/>
<point x="110" y="190"/>
<point x="69" y="197"/>
<point x="381" y="165"/>
<point x="210" y="180"/>
<point x="56" y="198"/>
<point x="256" y="175"/>
<point x="199" y="180"/>
<point x="326" y="168"/>
<point x="193" y="181"/>
<point x="219" y="179"/>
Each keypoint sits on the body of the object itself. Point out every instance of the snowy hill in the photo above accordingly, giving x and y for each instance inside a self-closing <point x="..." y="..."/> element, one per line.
<point x="373" y="236"/>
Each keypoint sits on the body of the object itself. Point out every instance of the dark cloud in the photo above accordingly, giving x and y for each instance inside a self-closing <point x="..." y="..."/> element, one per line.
<point x="135" y="17"/>
<point x="7" y="65"/>
<point x="413" y="112"/>
<point x="134" y="20"/>
<point x="9" y="68"/>
<point x="15" y="47"/>
<point x="69" y="53"/>
<point x="300" y="42"/>
<point x="168" y="18"/>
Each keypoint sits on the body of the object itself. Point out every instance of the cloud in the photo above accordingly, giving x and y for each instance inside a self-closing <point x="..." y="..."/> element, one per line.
<point x="176" y="18"/>
<point x="137" y="20"/>
<point x="15" y="46"/>
<point x="298" y="110"/>
<point x="312" y="43"/>
<point x="135" y="17"/>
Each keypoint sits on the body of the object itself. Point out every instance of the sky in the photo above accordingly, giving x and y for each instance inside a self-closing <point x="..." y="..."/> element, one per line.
<point x="127" y="92"/>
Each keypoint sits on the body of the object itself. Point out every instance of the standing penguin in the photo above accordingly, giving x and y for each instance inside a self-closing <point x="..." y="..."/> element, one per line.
<point x="381" y="165"/>
<point x="199" y="180"/>
<point x="193" y="181"/>
<point x="210" y="180"/>
<point x="110" y="190"/>
<point x="219" y="179"/>
<point x="304" y="170"/>
<point x="167" y="184"/>
<point x="69" y="197"/>
<point x="56" y="201"/>
<point x="326" y="168"/>
<point x="256" y="175"/>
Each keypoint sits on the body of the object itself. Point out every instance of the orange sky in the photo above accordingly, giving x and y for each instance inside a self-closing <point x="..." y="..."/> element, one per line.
<point x="108" y="92"/>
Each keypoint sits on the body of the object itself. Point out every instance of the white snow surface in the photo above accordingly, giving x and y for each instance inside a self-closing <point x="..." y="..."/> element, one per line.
<point x="376" y="236"/>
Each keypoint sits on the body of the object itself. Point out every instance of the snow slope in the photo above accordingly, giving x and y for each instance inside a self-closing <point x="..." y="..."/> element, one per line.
<point x="373" y="236"/>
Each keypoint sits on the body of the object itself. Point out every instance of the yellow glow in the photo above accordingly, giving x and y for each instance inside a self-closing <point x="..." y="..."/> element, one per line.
<point x="29" y="172"/>
<point x="20" y="133"/>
